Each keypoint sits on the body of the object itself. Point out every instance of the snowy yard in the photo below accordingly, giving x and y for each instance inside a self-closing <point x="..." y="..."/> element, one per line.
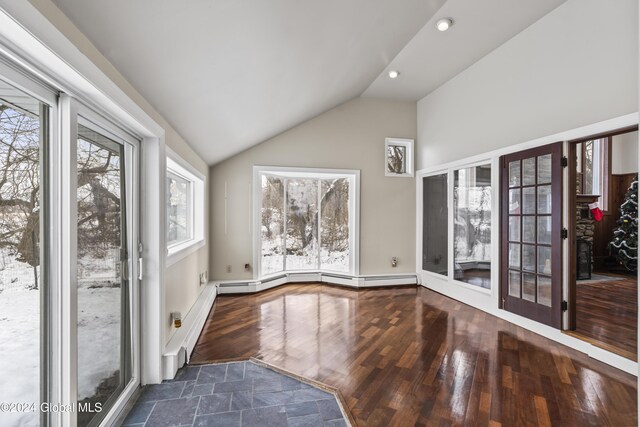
<point x="98" y="336"/>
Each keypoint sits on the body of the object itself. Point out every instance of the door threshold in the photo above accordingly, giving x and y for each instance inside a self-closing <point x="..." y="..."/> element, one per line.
<point x="608" y="347"/>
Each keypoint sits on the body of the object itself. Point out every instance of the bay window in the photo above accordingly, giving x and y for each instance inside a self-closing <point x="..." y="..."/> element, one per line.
<point x="306" y="220"/>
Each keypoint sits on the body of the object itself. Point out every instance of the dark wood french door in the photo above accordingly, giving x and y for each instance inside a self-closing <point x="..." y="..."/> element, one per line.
<point x="531" y="233"/>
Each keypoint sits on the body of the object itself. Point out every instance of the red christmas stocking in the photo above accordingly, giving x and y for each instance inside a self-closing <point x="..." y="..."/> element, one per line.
<point x="596" y="211"/>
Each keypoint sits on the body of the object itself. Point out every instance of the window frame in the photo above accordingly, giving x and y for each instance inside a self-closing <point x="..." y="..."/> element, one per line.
<point x="180" y="168"/>
<point x="316" y="173"/>
<point x="601" y="174"/>
<point x="449" y="169"/>
<point x="408" y="161"/>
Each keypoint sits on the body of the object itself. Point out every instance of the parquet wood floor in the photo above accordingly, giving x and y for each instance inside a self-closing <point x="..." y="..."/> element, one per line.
<point x="410" y="356"/>
<point x="607" y="314"/>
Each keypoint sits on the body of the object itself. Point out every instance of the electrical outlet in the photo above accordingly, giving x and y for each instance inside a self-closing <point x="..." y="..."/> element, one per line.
<point x="203" y="278"/>
<point x="394" y="261"/>
<point x="247" y="267"/>
<point x="228" y="268"/>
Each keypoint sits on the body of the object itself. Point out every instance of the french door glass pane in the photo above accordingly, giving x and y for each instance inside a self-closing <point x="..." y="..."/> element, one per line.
<point x="529" y="286"/>
<point x="544" y="230"/>
<point x="472" y="225"/>
<point x="272" y="221"/>
<point x="544" y="259"/>
<point x="529" y="229"/>
<point x="334" y="218"/>
<point x="514" y="228"/>
<point x="514" y="283"/>
<point x="529" y="171"/>
<point x="514" y="201"/>
<point x="544" y="199"/>
<point x="544" y="169"/>
<point x="529" y="200"/>
<point x="514" y="173"/>
<point x="102" y="291"/>
<point x="23" y="124"/>
<point x="529" y="257"/>
<point x="514" y="255"/>
<point x="544" y="290"/>
<point x="302" y="224"/>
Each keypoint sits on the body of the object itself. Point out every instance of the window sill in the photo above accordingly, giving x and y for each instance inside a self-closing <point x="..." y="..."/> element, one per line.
<point x="182" y="250"/>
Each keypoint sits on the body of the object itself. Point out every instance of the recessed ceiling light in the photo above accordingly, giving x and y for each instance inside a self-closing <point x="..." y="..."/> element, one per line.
<point x="393" y="74"/>
<point x="444" y="24"/>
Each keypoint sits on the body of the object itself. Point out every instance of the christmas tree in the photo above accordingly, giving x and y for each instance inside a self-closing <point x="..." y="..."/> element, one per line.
<point x="625" y="237"/>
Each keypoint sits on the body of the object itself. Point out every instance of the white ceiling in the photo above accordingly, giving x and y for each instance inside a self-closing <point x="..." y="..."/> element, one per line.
<point x="229" y="74"/>
<point x="433" y="57"/>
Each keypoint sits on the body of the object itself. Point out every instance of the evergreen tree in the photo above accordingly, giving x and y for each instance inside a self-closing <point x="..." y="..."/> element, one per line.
<point x="625" y="237"/>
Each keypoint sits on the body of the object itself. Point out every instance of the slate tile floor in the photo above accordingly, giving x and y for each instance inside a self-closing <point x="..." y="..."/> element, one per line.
<point x="234" y="394"/>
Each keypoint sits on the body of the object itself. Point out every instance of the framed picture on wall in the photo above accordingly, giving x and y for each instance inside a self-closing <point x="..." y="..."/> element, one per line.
<point x="398" y="159"/>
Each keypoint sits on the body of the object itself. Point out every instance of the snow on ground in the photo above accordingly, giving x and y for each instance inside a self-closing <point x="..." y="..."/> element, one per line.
<point x="19" y="353"/>
<point x="330" y="261"/>
<point x="98" y="335"/>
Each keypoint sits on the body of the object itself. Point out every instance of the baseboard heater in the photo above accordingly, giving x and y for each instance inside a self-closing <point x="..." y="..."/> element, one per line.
<point x="251" y="286"/>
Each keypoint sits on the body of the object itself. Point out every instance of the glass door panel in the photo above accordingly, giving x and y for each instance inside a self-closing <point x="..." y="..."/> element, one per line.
<point x="531" y="236"/>
<point x="23" y="125"/>
<point x="104" y="355"/>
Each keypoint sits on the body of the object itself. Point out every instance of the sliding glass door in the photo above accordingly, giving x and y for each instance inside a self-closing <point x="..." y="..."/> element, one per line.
<point x="23" y="288"/>
<point x="68" y="252"/>
<point x="103" y="288"/>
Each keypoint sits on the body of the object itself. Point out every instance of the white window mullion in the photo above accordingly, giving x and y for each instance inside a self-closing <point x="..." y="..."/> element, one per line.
<point x="64" y="260"/>
<point x="284" y="225"/>
<point x="318" y="237"/>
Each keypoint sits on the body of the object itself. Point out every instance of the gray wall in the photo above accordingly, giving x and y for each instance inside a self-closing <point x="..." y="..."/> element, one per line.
<point x="624" y="153"/>
<point x="350" y="136"/>
<point x="576" y="66"/>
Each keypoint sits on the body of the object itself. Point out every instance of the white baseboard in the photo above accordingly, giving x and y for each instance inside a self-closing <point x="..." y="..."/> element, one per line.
<point x="252" y="286"/>
<point x="179" y="348"/>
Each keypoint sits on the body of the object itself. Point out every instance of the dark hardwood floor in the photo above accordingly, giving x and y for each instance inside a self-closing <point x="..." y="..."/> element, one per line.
<point x="410" y="356"/>
<point x="607" y="314"/>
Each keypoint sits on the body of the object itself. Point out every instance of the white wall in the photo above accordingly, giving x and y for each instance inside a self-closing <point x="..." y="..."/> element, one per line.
<point x="576" y="66"/>
<point x="350" y="136"/>
<point x="182" y="278"/>
<point x="624" y="153"/>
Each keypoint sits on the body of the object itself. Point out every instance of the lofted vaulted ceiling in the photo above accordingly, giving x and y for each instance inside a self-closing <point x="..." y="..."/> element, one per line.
<point x="229" y="74"/>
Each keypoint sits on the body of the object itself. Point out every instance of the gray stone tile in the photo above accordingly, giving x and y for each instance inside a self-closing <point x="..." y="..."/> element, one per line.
<point x="306" y="394"/>
<point x="314" y="420"/>
<point x="261" y="385"/>
<point x="235" y="372"/>
<point x="242" y="385"/>
<point x="163" y="391"/>
<point x="214" y="403"/>
<point x="335" y="423"/>
<point x="256" y="371"/>
<point x="139" y="413"/>
<point x="177" y="412"/>
<point x="241" y="400"/>
<point x="272" y="416"/>
<point x="329" y="409"/>
<point x="223" y="419"/>
<point x="289" y="383"/>
<point x="187" y="373"/>
<point x="212" y="374"/>
<point x="188" y="388"/>
<point x="202" y="389"/>
<point x="301" y="409"/>
<point x="271" y="399"/>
